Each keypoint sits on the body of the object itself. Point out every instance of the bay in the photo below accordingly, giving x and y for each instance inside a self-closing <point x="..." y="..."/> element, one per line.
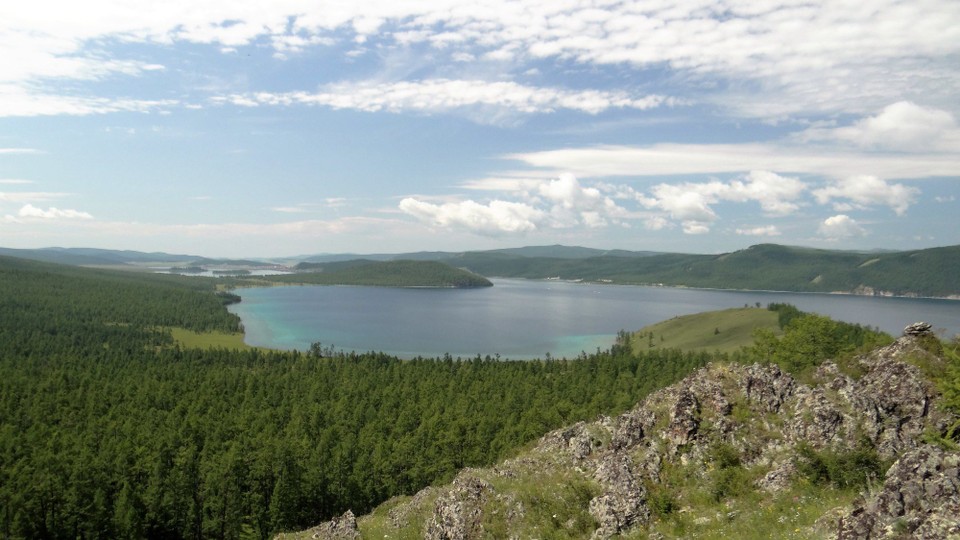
<point x="523" y="319"/>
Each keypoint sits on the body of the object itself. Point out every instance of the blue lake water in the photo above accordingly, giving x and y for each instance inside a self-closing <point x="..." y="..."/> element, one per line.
<point x="524" y="319"/>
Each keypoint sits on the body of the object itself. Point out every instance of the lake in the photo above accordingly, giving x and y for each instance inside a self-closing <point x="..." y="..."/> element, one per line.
<point x="524" y="319"/>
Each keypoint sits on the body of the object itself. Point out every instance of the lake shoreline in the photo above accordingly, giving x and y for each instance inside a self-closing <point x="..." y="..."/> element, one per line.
<point x="523" y="318"/>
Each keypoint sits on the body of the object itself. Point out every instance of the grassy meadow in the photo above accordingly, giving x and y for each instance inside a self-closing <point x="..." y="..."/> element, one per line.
<point x="725" y="331"/>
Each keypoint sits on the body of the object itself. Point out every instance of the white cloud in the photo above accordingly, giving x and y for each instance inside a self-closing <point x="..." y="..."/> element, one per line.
<point x="435" y="95"/>
<point x="30" y="211"/>
<point x="18" y="102"/>
<point x="329" y="202"/>
<point x="774" y="192"/>
<point x="290" y="209"/>
<point x="903" y="126"/>
<point x="767" y="230"/>
<point x="573" y="204"/>
<point x="691" y="202"/>
<point x="865" y="190"/>
<point x="656" y="223"/>
<point x="849" y="58"/>
<point x="840" y="226"/>
<point x="561" y="202"/>
<point x="26" y="196"/>
<point x="695" y="227"/>
<point x="14" y="181"/>
<point x="748" y="57"/>
<point x="685" y="202"/>
<point x="19" y="151"/>
<point x="493" y="219"/>
<point x="676" y="159"/>
<point x="943" y="199"/>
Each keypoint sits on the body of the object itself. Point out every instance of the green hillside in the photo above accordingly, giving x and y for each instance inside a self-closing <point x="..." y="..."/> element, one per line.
<point x="725" y="331"/>
<point x="928" y="272"/>
<point x="383" y="273"/>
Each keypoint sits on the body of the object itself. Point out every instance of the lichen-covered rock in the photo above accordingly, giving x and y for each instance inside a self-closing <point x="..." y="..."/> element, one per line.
<point x="918" y="329"/>
<point x="457" y="514"/>
<point x="816" y="420"/>
<point x="766" y="386"/>
<point x="779" y="478"/>
<point x="632" y="427"/>
<point x="895" y="397"/>
<point x="577" y="441"/>
<point x="684" y="418"/>
<point x="623" y="503"/>
<point x="920" y="497"/>
<point x="343" y="527"/>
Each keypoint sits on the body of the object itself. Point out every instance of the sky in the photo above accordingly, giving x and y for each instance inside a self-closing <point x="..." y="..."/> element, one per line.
<point x="239" y="128"/>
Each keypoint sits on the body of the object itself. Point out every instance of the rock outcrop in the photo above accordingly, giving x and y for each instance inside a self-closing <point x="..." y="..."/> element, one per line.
<point x="343" y="527"/>
<point x="752" y="416"/>
<point x="920" y="498"/>
<point x="457" y="512"/>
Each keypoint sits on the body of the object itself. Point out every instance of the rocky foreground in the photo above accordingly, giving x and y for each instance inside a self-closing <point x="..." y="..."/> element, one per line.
<point x="726" y="423"/>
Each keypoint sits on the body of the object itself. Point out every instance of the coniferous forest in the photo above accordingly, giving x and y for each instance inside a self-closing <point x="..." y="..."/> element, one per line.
<point x="109" y="429"/>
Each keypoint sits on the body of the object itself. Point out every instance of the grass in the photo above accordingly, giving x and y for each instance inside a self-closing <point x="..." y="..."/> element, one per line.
<point x="725" y="331"/>
<point x="796" y="513"/>
<point x="189" y="339"/>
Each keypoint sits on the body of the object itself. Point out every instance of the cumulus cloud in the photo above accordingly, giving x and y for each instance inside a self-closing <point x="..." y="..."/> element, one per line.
<point x="560" y="202"/>
<point x="691" y="202"/>
<point x="903" y="126"/>
<point x="656" y="223"/>
<point x="572" y="204"/>
<point x="29" y="211"/>
<point x="840" y="226"/>
<point x="434" y="95"/>
<point x="864" y="190"/>
<point x="695" y="227"/>
<point x="493" y="219"/>
<point x="767" y="230"/>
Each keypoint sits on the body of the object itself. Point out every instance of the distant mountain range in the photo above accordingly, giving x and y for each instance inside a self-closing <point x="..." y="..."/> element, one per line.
<point x="929" y="272"/>
<point x="112" y="257"/>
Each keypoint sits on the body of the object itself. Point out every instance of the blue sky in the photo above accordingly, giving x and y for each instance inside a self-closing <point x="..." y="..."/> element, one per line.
<point x="251" y="128"/>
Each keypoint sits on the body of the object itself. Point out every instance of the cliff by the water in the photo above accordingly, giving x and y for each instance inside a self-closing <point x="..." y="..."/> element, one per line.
<point x="731" y="448"/>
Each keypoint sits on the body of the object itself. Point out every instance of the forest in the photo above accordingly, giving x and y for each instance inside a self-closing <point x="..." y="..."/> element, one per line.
<point x="925" y="272"/>
<point x="400" y="273"/>
<point x="109" y="429"/>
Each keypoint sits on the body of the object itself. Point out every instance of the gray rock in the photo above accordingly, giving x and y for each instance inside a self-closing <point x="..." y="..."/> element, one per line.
<point x="623" y="503"/>
<point x="920" y="497"/>
<point x="917" y="329"/>
<point x="339" y="528"/>
<point x="767" y="386"/>
<point x="457" y="514"/>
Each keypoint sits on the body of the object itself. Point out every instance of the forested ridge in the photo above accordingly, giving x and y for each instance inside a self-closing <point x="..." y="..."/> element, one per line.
<point x="925" y="272"/>
<point x="400" y="273"/>
<point x="108" y="429"/>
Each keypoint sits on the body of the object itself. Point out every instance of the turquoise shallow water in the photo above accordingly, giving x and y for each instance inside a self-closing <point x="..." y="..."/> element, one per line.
<point x="524" y="319"/>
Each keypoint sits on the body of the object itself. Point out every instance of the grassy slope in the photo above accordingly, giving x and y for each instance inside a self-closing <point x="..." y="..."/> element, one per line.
<point x="189" y="339"/>
<point x="698" y="331"/>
